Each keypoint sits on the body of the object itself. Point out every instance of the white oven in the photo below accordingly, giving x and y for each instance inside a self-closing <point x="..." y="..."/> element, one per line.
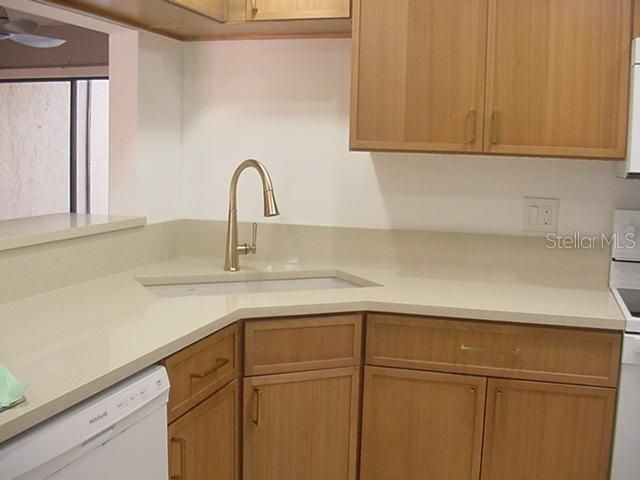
<point x="632" y="164"/>
<point x="625" y="285"/>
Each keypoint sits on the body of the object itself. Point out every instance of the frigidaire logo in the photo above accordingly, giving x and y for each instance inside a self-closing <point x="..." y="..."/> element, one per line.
<point x="97" y="418"/>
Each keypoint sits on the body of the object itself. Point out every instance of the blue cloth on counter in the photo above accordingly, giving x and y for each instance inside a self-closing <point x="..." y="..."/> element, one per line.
<point x="11" y="390"/>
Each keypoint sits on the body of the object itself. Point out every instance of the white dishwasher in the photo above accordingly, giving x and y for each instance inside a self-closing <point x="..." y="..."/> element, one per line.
<point x="119" y="434"/>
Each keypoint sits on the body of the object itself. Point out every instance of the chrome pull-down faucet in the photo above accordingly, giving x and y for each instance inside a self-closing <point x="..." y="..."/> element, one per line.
<point x="233" y="249"/>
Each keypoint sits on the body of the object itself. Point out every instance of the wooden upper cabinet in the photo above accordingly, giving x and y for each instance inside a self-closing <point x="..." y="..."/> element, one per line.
<point x="223" y="19"/>
<point x="557" y="77"/>
<point x="297" y="9"/>
<point x="215" y="9"/>
<point x="537" y="431"/>
<point x="175" y="18"/>
<point x="418" y="75"/>
<point x="421" y="425"/>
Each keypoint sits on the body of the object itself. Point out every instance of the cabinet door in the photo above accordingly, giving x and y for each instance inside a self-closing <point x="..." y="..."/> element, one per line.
<point x="301" y="426"/>
<point x="204" y="443"/>
<point x="418" y="75"/>
<point x="419" y="425"/>
<point x="547" y="431"/>
<point x="557" y="80"/>
<point x="297" y="9"/>
<point x="214" y="9"/>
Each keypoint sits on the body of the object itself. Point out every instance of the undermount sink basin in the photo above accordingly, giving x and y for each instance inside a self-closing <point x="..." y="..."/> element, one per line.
<point x="226" y="286"/>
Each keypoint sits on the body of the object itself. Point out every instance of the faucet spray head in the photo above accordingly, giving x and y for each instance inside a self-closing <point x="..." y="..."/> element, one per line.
<point x="270" y="205"/>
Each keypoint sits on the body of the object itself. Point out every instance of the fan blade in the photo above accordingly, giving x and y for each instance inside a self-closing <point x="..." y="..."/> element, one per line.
<point x="21" y="25"/>
<point x="36" y="41"/>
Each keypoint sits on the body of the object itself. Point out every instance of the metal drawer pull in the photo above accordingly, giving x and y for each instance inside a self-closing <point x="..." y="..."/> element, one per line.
<point x="183" y="458"/>
<point x="465" y="348"/>
<point x="472" y="118"/>
<point x="256" y="418"/>
<point x="254" y="6"/>
<point x="220" y="362"/>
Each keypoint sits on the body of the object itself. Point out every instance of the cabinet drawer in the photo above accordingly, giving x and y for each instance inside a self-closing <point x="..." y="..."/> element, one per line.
<point x="584" y="357"/>
<point x="200" y="369"/>
<point x="302" y="343"/>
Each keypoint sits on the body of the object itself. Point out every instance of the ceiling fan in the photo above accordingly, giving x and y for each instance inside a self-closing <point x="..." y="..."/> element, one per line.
<point x="22" y="31"/>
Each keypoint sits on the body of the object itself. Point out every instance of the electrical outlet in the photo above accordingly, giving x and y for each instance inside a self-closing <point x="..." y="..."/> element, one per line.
<point x="540" y="215"/>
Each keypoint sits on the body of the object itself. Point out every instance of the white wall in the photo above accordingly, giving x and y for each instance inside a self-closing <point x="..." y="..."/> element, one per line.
<point x="285" y="102"/>
<point x="145" y="72"/>
<point x="159" y="129"/>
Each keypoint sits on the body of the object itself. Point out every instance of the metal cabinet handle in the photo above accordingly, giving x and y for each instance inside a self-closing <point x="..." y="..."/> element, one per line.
<point x="466" y="348"/>
<point x="254" y="6"/>
<point x="472" y="119"/>
<point x="254" y="238"/>
<point x="496" y="412"/>
<point x="183" y="458"/>
<point x="256" y="417"/>
<point x="246" y="249"/>
<point x="495" y="116"/>
<point x="220" y="362"/>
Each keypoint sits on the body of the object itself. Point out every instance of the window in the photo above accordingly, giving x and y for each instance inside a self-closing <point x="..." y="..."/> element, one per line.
<point x="53" y="147"/>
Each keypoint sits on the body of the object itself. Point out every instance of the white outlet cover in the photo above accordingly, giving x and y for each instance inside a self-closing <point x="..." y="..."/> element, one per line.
<point x="540" y="215"/>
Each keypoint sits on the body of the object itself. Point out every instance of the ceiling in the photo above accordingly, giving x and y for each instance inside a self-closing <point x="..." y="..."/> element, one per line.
<point x="17" y="14"/>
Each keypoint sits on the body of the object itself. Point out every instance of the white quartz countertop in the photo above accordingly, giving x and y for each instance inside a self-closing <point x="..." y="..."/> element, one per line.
<point x="23" y="232"/>
<point x="69" y="344"/>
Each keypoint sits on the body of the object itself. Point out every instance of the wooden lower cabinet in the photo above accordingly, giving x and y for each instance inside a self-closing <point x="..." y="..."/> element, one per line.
<point x="419" y="425"/>
<point x="441" y="399"/>
<point x="301" y="425"/>
<point x="547" y="431"/>
<point x="203" y="443"/>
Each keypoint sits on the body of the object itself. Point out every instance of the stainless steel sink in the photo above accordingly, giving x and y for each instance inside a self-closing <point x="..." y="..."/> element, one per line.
<point x="172" y="287"/>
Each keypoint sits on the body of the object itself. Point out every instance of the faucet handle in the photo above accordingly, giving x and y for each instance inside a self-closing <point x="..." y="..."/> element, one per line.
<point x="245" y="249"/>
<point x="254" y="238"/>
